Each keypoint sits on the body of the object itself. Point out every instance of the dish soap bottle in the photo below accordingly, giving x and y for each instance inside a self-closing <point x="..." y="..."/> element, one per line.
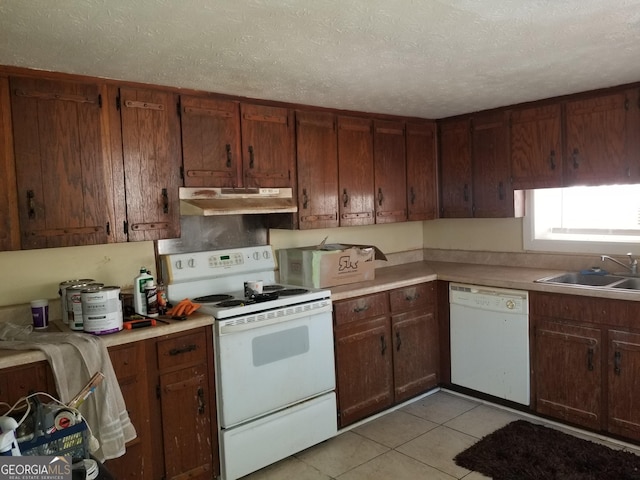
<point x="139" y="297"/>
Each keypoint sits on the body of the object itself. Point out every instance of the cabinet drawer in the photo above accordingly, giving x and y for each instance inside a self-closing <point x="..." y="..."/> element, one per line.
<point x="126" y="359"/>
<point x="361" y="307"/>
<point x="182" y="350"/>
<point x="415" y="296"/>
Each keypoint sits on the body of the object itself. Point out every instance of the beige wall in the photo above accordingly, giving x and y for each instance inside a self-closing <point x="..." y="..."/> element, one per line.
<point x="390" y="238"/>
<point x="492" y="235"/>
<point x="31" y="274"/>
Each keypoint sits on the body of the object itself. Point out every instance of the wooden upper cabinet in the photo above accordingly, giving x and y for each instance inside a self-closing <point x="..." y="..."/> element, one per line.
<point x="455" y="169"/>
<point x="390" y="172"/>
<point x="536" y="147"/>
<point x="422" y="166"/>
<point x="151" y="154"/>
<point x="598" y="139"/>
<point x="62" y="163"/>
<point x="317" y="166"/>
<point x="492" y="191"/>
<point x="267" y="146"/>
<point x="9" y="226"/>
<point x="211" y="152"/>
<point x="355" y="171"/>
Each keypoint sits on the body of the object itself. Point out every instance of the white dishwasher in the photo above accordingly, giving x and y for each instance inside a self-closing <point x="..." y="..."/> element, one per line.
<point x="490" y="340"/>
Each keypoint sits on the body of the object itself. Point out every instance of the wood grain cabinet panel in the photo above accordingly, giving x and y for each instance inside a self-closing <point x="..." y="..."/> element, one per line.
<point x="355" y="171"/>
<point x="9" y="225"/>
<point x="151" y="156"/>
<point x="422" y="171"/>
<point x="536" y="147"/>
<point x="390" y="171"/>
<point x="268" y="146"/>
<point x="456" y="173"/>
<point x="211" y="152"/>
<point x="317" y="167"/>
<point x="623" y="368"/>
<point x="62" y="163"/>
<point x="598" y="142"/>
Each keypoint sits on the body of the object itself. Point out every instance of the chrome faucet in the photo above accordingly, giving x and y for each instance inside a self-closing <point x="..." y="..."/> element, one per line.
<point x="633" y="263"/>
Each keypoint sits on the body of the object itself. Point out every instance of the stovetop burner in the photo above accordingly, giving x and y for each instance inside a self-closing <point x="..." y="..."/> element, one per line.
<point x="232" y="303"/>
<point x="273" y="288"/>
<point x="212" y="298"/>
<point x="292" y="291"/>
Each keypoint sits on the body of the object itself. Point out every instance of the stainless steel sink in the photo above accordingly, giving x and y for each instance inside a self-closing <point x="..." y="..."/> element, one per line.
<point x="587" y="280"/>
<point x="628" y="284"/>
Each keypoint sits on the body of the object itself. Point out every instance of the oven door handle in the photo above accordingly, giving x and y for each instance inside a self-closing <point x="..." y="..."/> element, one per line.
<point x="251" y="321"/>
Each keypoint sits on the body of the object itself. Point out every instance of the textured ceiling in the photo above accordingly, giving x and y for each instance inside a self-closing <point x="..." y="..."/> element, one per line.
<point x="425" y="58"/>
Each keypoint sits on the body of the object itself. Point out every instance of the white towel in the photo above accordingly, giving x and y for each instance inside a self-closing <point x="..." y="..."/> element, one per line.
<point x="74" y="359"/>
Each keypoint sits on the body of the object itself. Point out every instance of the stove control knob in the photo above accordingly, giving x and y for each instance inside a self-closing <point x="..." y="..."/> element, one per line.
<point x="266" y="254"/>
<point x="256" y="255"/>
<point x="191" y="263"/>
<point x="179" y="264"/>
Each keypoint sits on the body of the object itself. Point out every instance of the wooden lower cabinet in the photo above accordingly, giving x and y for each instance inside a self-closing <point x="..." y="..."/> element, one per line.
<point x="587" y="361"/>
<point x="384" y="357"/>
<point x="623" y="371"/>
<point x="168" y="387"/>
<point x="569" y="373"/>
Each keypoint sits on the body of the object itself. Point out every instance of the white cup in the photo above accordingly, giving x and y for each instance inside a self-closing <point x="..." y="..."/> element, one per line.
<point x="40" y="313"/>
<point x="253" y="287"/>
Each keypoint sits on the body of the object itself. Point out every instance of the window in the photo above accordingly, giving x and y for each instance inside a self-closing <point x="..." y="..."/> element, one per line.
<point x="603" y="219"/>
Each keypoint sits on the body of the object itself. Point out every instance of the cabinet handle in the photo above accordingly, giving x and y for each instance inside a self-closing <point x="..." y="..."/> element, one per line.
<point x="305" y="198"/>
<point x="617" y="358"/>
<point x="380" y="196"/>
<point x="200" y="400"/>
<point x="179" y="351"/>
<point x="552" y="160"/>
<point x="383" y="345"/>
<point x="576" y="158"/>
<point x="251" y="157"/>
<point x="165" y="201"/>
<point x="412" y="298"/>
<point x="228" y="149"/>
<point x="465" y="193"/>
<point x="413" y="196"/>
<point x="500" y="191"/>
<point x="345" y="197"/>
<point x="360" y="309"/>
<point x="31" y="204"/>
<point x="628" y="171"/>
<point x="398" y="341"/>
<point x="590" y="353"/>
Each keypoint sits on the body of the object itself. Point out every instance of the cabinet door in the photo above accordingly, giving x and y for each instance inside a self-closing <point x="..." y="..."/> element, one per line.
<point x="492" y="191"/>
<point x="317" y="166"/>
<point x="422" y="177"/>
<point x="186" y="423"/>
<point x="624" y="389"/>
<point x="597" y="139"/>
<point x="211" y="153"/>
<point x="536" y="147"/>
<point x="455" y="169"/>
<point x="390" y="172"/>
<point x="355" y="171"/>
<point x="568" y="372"/>
<point x="129" y="365"/>
<point x="364" y="368"/>
<point x="151" y="151"/>
<point x="18" y="382"/>
<point x="64" y="184"/>
<point x="9" y="226"/>
<point x="267" y="146"/>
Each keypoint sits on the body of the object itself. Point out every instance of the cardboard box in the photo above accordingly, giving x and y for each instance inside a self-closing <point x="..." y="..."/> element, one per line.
<point x="328" y="265"/>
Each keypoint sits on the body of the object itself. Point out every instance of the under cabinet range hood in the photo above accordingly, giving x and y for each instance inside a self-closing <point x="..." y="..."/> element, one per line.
<point x="205" y="201"/>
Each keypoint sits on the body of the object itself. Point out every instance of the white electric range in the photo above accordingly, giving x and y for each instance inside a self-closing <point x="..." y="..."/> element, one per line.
<point x="274" y="359"/>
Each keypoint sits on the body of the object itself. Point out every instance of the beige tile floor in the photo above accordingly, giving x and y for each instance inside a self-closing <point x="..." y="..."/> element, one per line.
<point x="417" y="441"/>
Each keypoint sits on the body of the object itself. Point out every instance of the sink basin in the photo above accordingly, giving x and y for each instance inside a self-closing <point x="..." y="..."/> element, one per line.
<point x="575" y="278"/>
<point x="628" y="283"/>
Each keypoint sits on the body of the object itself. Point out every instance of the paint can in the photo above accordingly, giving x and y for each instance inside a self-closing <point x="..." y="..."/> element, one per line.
<point x="101" y="310"/>
<point x="74" y="304"/>
<point x="62" y="291"/>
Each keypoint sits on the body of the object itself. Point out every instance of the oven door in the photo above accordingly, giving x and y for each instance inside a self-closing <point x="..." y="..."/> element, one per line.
<point x="266" y="368"/>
